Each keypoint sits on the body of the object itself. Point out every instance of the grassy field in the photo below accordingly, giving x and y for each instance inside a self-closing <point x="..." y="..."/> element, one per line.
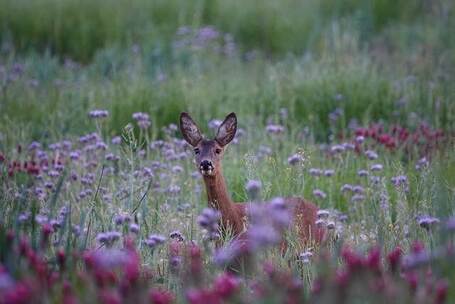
<point x="349" y="104"/>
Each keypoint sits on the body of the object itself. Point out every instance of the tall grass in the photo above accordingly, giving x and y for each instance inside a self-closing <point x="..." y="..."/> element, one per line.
<point x="79" y="28"/>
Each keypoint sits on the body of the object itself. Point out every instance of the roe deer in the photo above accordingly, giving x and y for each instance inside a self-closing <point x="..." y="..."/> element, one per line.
<point x="208" y="155"/>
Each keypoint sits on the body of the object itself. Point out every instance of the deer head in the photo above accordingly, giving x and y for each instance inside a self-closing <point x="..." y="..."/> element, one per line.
<point x="208" y="152"/>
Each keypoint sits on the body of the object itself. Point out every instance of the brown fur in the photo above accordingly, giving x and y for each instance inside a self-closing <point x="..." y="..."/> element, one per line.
<point x="234" y="215"/>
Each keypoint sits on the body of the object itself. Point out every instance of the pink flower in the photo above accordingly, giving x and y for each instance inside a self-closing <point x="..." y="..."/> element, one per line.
<point x="225" y="285"/>
<point x="394" y="258"/>
<point x="161" y="296"/>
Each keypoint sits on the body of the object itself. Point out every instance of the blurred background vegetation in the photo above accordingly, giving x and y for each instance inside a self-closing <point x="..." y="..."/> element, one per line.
<point x="354" y="60"/>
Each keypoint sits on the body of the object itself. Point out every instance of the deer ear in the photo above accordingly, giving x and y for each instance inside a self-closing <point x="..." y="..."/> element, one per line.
<point x="227" y="129"/>
<point x="189" y="129"/>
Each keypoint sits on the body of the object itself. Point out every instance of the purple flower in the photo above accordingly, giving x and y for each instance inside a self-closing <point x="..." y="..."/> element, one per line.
<point x="274" y="129"/>
<point x="208" y="220"/>
<point x="426" y="221"/>
<point x="348" y="146"/>
<point x="358" y="189"/>
<point x="140" y="116"/>
<point x="359" y="139"/>
<point x="98" y="114"/>
<point x="422" y="163"/>
<point x="34" y="146"/>
<point x="315" y="171"/>
<point x="400" y="180"/>
<point x="376" y="167"/>
<point x="450" y="225"/>
<point x="362" y="173"/>
<point x="305" y="257"/>
<point x="116" y="140"/>
<point x="337" y="149"/>
<point x="108" y="238"/>
<point x="319" y="193"/>
<point x="371" y="154"/>
<point x="357" y="198"/>
<point x="294" y="159"/>
<point x="346" y="187"/>
<point x="263" y="236"/>
<point x="253" y="187"/>
<point x="323" y="214"/>
<point x="214" y="124"/>
<point x="154" y="240"/>
<point x="329" y="172"/>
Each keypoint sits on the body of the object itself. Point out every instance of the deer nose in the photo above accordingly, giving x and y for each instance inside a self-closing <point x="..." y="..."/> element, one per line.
<point x="206" y="165"/>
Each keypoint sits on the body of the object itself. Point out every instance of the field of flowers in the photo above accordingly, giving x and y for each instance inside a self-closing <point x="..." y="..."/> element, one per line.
<point x="351" y="107"/>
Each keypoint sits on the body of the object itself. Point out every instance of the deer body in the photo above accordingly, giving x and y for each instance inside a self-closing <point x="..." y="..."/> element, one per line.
<point x="234" y="215"/>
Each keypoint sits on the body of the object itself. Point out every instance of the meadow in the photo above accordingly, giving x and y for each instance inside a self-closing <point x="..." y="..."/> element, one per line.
<point x="349" y="104"/>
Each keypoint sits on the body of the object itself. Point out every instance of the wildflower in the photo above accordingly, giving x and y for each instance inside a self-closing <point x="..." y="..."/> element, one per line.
<point x="140" y="116"/>
<point x="319" y="193"/>
<point x="323" y="214"/>
<point x="108" y="238"/>
<point x="176" y="235"/>
<point x="349" y="146"/>
<point x="274" y="129"/>
<point x="422" y="163"/>
<point x="174" y="189"/>
<point x="346" y="187"/>
<point x="375" y="180"/>
<point x="360" y="139"/>
<point x="262" y="236"/>
<point x="329" y="172"/>
<point x="161" y="296"/>
<point x="208" y="220"/>
<point x="225" y="285"/>
<point x="337" y="148"/>
<point x="34" y="146"/>
<point x="214" y="124"/>
<point x="305" y="257"/>
<point x="400" y="180"/>
<point x="225" y="255"/>
<point x="357" y="198"/>
<point x="294" y="159"/>
<point x="394" y="258"/>
<point x="142" y="119"/>
<point x="376" y="167"/>
<point x="371" y="154"/>
<point x="98" y="114"/>
<point x="450" y="225"/>
<point x="116" y="140"/>
<point x="134" y="228"/>
<point x="358" y="189"/>
<point x="362" y="173"/>
<point x="154" y="240"/>
<point x="315" y="171"/>
<point x="426" y="221"/>
<point x="253" y="187"/>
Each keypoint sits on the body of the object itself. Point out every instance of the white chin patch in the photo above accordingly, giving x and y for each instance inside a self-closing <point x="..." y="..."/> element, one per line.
<point x="207" y="172"/>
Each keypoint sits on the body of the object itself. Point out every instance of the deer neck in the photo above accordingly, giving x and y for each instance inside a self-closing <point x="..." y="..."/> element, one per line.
<point x="217" y="194"/>
<point x="218" y="198"/>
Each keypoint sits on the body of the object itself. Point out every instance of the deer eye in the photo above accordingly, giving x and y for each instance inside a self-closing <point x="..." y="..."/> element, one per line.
<point x="217" y="151"/>
<point x="196" y="151"/>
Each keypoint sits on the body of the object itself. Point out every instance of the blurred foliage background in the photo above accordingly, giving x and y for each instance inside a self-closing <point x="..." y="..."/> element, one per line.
<point x="361" y="61"/>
